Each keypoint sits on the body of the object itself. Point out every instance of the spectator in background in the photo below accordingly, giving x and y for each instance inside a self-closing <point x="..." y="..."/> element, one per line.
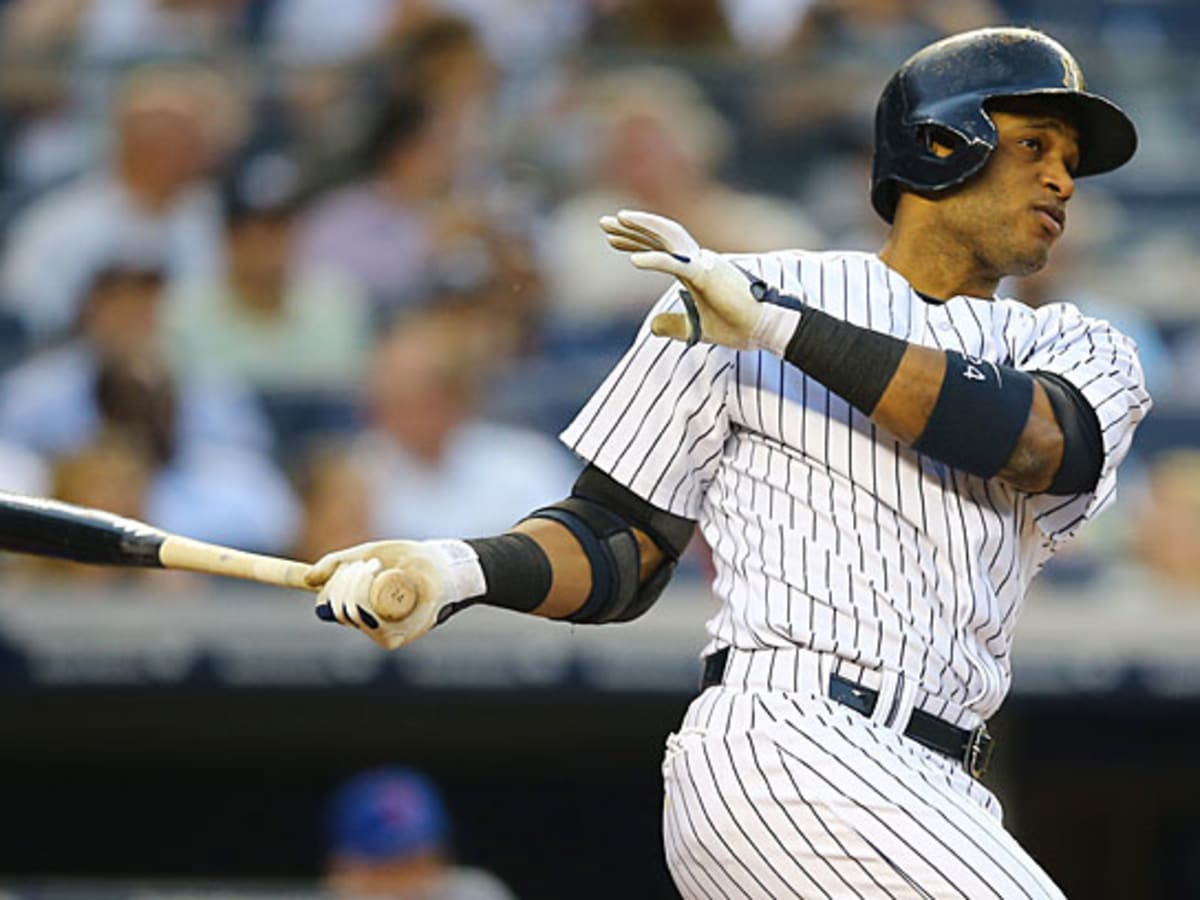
<point x="1160" y="265"/>
<point x="661" y="24"/>
<point x="389" y="836"/>
<point x="765" y="27"/>
<point x="171" y="124"/>
<point x="343" y="63"/>
<point x="112" y="472"/>
<point x="1167" y="532"/>
<point x="659" y="146"/>
<point x="213" y="491"/>
<point x="117" y="32"/>
<point x="336" y="501"/>
<point x="309" y="32"/>
<point x="114" y="32"/>
<point x="22" y="471"/>
<point x="48" y="402"/>
<point x="427" y="453"/>
<point x="213" y="476"/>
<point x="43" y="139"/>
<point x="319" y="102"/>
<point x="384" y="230"/>
<point x="862" y="27"/>
<point x="441" y="58"/>
<point x="315" y="32"/>
<point x="523" y="34"/>
<point x="265" y="322"/>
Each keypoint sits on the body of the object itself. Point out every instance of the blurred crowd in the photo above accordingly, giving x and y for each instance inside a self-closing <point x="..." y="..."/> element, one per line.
<point x="293" y="274"/>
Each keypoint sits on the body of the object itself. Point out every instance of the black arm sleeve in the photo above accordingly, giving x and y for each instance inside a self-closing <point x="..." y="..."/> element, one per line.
<point x="1083" y="443"/>
<point x="855" y="363"/>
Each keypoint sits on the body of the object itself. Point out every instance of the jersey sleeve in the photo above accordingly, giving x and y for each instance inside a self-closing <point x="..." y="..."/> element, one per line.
<point x="1102" y="363"/>
<point x="658" y="422"/>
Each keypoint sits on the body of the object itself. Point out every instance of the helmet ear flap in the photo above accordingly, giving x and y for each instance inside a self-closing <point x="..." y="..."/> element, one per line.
<point x="938" y="141"/>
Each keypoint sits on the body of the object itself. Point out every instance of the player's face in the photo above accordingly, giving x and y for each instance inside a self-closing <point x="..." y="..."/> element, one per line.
<point x="1016" y="208"/>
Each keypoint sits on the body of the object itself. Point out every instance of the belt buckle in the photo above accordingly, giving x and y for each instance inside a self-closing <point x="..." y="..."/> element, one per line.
<point x="978" y="753"/>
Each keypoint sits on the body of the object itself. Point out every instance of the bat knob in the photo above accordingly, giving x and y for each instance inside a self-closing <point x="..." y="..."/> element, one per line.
<point x="394" y="595"/>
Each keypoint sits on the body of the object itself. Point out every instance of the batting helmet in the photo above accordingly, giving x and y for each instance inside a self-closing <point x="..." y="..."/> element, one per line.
<point x="942" y="92"/>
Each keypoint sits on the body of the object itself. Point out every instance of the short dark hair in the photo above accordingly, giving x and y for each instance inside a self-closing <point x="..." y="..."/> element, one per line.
<point x="402" y="119"/>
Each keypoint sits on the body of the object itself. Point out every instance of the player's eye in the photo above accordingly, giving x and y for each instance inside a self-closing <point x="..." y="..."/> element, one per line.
<point x="1033" y="143"/>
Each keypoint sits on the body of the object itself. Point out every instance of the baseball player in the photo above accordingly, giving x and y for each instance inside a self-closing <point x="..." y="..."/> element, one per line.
<point x="881" y="453"/>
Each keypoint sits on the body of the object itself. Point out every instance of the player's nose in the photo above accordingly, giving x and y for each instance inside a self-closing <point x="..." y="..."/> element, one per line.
<point x="1058" y="179"/>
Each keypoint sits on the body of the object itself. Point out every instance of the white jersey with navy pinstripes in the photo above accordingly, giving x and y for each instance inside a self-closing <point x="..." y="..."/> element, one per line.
<point x="827" y="532"/>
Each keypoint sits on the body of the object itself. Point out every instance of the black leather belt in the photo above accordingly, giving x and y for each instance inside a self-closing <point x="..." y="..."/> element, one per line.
<point x="972" y="748"/>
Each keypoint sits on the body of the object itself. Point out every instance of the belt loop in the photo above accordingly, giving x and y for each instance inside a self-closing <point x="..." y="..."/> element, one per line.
<point x="886" y="703"/>
<point x="758" y="669"/>
<point x="826" y="666"/>
<point x="904" y="701"/>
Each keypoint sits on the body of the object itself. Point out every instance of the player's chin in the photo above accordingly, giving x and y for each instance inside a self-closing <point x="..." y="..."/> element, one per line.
<point x="1030" y="258"/>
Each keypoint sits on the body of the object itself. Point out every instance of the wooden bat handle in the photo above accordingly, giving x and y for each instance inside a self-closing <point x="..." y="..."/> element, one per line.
<point x="191" y="555"/>
<point x="394" y="594"/>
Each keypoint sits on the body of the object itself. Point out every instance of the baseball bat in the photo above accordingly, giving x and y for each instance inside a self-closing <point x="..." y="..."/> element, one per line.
<point x="44" y="527"/>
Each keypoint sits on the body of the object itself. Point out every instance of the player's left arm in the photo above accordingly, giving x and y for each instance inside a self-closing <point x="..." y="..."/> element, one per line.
<point x="1034" y="431"/>
<point x="601" y="555"/>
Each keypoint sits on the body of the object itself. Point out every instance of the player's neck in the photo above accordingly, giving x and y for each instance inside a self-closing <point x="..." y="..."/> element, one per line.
<point x="934" y="266"/>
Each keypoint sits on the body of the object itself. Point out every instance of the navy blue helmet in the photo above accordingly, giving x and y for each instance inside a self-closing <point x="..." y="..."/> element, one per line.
<point x="942" y="92"/>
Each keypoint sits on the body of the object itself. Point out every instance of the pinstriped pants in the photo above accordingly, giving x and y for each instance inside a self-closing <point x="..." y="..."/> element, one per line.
<point x="782" y="794"/>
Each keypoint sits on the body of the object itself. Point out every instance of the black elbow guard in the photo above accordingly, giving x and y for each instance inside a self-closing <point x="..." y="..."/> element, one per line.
<point x="613" y="555"/>
<point x="1083" y="443"/>
<point x="601" y="514"/>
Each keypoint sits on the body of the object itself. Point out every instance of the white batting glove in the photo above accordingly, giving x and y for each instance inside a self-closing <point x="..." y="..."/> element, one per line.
<point x="720" y="306"/>
<point x="360" y="587"/>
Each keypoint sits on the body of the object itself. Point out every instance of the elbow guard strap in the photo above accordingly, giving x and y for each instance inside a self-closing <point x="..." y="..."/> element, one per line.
<point x="613" y="555"/>
<point x="980" y="413"/>
<point x="669" y="532"/>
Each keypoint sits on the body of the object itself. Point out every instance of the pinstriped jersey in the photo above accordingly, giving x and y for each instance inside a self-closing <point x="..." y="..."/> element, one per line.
<point x="826" y="531"/>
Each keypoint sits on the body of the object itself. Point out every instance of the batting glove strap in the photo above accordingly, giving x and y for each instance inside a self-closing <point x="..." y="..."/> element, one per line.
<point x="463" y="573"/>
<point x="775" y="328"/>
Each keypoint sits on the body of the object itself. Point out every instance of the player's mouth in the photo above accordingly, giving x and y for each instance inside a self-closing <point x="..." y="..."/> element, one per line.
<point x="1054" y="218"/>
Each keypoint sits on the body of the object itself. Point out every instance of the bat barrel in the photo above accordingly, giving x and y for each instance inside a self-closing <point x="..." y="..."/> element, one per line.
<point x="50" y="528"/>
<point x="61" y="530"/>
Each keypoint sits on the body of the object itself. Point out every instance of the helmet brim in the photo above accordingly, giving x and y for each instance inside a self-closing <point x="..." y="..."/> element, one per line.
<point x="1107" y="137"/>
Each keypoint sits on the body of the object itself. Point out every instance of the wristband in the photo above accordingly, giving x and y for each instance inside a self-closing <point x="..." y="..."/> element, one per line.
<point x="515" y="572"/>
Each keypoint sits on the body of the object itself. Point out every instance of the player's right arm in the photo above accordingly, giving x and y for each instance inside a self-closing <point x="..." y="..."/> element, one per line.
<point x="602" y="555"/>
<point x="1035" y="431"/>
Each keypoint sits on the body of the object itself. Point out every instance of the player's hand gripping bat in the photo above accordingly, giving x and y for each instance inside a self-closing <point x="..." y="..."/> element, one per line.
<point x="45" y="527"/>
<point x="412" y="586"/>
